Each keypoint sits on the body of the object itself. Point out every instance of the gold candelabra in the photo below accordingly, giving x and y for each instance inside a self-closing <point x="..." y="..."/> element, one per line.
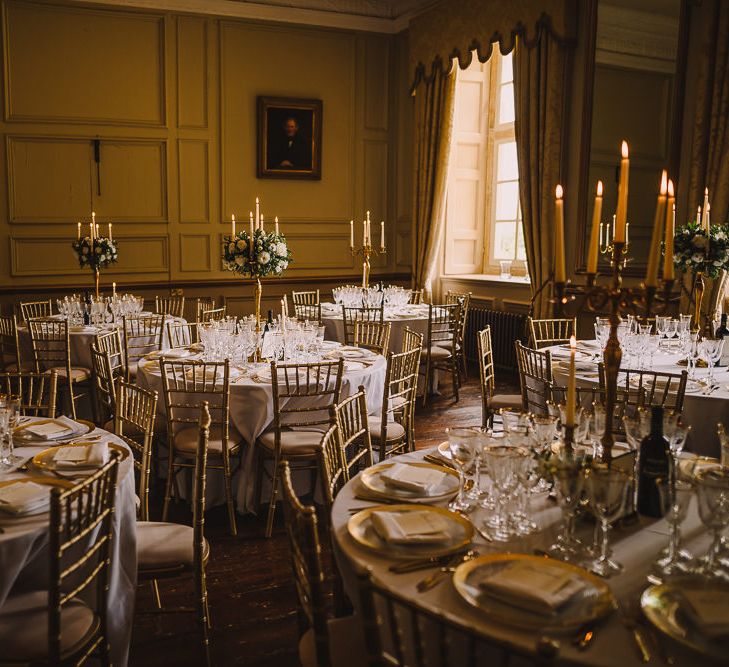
<point x="366" y="250"/>
<point x="606" y="243"/>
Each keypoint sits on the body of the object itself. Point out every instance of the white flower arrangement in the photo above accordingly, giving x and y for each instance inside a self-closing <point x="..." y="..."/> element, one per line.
<point x="269" y="256"/>
<point x="694" y="251"/>
<point x="96" y="254"/>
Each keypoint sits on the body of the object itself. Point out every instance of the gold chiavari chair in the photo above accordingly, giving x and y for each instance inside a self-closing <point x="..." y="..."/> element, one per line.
<point x="203" y="303"/>
<point x="464" y="300"/>
<point x="164" y="549"/>
<point x="651" y="388"/>
<point x="104" y="388"/>
<point x="440" y="350"/>
<point x="54" y="626"/>
<point x="9" y="344"/>
<point x="111" y="342"/>
<point x="411" y="340"/>
<point x="30" y="310"/>
<point x="302" y="396"/>
<point x="142" y="335"/>
<point x="332" y="468"/>
<point x="310" y="298"/>
<point x="187" y="385"/>
<point x="134" y="424"/>
<point x="213" y="314"/>
<point x="325" y="642"/>
<point x="308" y="312"/>
<point x="416" y="296"/>
<point x="174" y="306"/>
<point x="491" y="402"/>
<point x="552" y="331"/>
<point x="535" y="378"/>
<point x="51" y="350"/>
<point x="37" y="391"/>
<point x="351" y="315"/>
<point x="353" y="432"/>
<point x="373" y="336"/>
<point x="182" y="334"/>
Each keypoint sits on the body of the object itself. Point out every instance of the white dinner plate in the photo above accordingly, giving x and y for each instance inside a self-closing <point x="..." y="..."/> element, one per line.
<point x="372" y="480"/>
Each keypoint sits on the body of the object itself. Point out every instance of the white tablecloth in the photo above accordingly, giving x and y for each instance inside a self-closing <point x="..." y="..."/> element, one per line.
<point x="635" y="548"/>
<point x="251" y="413"/>
<point x="702" y="411"/>
<point x="24" y="553"/>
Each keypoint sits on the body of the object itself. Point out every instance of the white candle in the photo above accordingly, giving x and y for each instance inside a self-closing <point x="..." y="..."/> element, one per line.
<point x="621" y="214"/>
<point x="78" y="231"/>
<point x="258" y="213"/>
<point x="698" y="217"/>
<point x="668" y="269"/>
<point x="560" y="271"/>
<point x="283" y="317"/>
<point x="706" y="204"/>
<point x="276" y="223"/>
<point x="351" y="233"/>
<point x="113" y="289"/>
<point x="571" y="385"/>
<point x="382" y="234"/>
<point x="654" y="256"/>
<point x="364" y="232"/>
<point x="93" y="217"/>
<point x="250" y="238"/>
<point x="91" y="231"/>
<point x="96" y="230"/>
<point x="593" y="249"/>
<point x="232" y="226"/>
<point x="708" y="221"/>
<point x="110" y="236"/>
<point x="369" y="230"/>
<point x="261" y="221"/>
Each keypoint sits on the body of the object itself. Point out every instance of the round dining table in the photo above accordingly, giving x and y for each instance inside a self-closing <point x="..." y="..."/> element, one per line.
<point x="635" y="546"/>
<point x="705" y="405"/>
<point x="252" y="411"/>
<point x="24" y="544"/>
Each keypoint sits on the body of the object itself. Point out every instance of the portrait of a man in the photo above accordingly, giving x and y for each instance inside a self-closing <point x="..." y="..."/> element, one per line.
<point x="289" y="138"/>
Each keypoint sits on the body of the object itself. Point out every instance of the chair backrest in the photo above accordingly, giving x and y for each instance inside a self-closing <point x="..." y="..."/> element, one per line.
<point x="301" y="530"/>
<point x="374" y="336"/>
<point x="203" y="303"/>
<point x="37" y="391"/>
<point x="411" y="340"/>
<point x="198" y="497"/>
<point x="398" y="399"/>
<point x="651" y="388"/>
<point x="134" y="423"/>
<point x="169" y="305"/>
<point x="82" y="514"/>
<point x="443" y="323"/>
<point x="552" y="331"/>
<point x="464" y="300"/>
<point x="142" y="335"/>
<point x="310" y="312"/>
<point x="111" y="342"/>
<point x="213" y="314"/>
<point x="535" y="378"/>
<point x="309" y="298"/>
<point x="182" y="334"/>
<point x="416" y="296"/>
<point x="355" y="443"/>
<point x="32" y="309"/>
<point x="187" y="384"/>
<point x="103" y="379"/>
<point x="50" y="340"/>
<point x="332" y="465"/>
<point x="9" y="344"/>
<point x="486" y="370"/>
<point x="351" y="315"/>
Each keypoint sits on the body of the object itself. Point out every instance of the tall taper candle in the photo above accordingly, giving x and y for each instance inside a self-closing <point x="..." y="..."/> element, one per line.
<point x="91" y="232"/>
<point x="250" y="238"/>
<point x="113" y="289"/>
<point x="560" y="272"/>
<point x="654" y="255"/>
<point x="364" y="232"/>
<point x="382" y="234"/>
<point x="78" y="231"/>
<point x="571" y="385"/>
<point x="668" y="268"/>
<point x="111" y="238"/>
<point x="621" y="214"/>
<point x="261" y="227"/>
<point x="351" y="233"/>
<point x="275" y="220"/>
<point x="258" y="213"/>
<point x="706" y="203"/>
<point x="698" y="218"/>
<point x="232" y="226"/>
<point x="593" y="250"/>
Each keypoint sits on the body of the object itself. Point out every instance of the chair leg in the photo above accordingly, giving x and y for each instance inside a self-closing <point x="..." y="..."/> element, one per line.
<point x="203" y="616"/>
<point x="272" y="501"/>
<point x="71" y="399"/>
<point x="258" y="482"/>
<point x="454" y="373"/>
<point x="426" y="383"/>
<point x="229" y="494"/>
<point x="168" y="482"/>
<point x="155" y="593"/>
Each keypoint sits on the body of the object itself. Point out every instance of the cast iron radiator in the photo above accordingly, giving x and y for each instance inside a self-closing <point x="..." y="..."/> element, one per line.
<point x="506" y="327"/>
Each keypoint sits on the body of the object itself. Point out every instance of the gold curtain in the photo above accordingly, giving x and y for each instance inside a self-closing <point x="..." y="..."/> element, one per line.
<point x="434" y="108"/>
<point x="708" y="120"/>
<point x="540" y="91"/>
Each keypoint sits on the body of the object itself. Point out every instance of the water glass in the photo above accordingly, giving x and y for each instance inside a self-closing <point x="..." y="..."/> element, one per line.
<point x="712" y="492"/>
<point x="607" y="490"/>
<point x="463" y="444"/>
<point x="675" y="499"/>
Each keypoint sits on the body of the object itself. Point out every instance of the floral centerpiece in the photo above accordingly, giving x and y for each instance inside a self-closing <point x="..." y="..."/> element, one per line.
<point x="699" y="251"/>
<point x="95" y="252"/>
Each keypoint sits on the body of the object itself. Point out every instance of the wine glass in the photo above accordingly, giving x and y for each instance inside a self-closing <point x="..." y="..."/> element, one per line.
<point x="462" y="443"/>
<point x="675" y="500"/>
<point x="500" y="461"/>
<point x="569" y="479"/>
<point x="710" y="350"/>
<point x="712" y="492"/>
<point x="607" y="490"/>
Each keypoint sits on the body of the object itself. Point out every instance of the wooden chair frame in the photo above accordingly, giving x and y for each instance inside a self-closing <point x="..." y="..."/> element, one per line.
<point x="443" y="323"/>
<point x="174" y="306"/>
<point x="37" y="391"/>
<point x="310" y="312"/>
<point x="353" y="432"/>
<point x="182" y="334"/>
<point x="351" y="315"/>
<point x="464" y="299"/>
<point x="30" y="310"/>
<point x="535" y="378"/>
<point x="203" y="303"/>
<point x="213" y="314"/>
<point x="10" y="344"/>
<point x="555" y="331"/>
<point x="306" y="298"/>
<point x="142" y="335"/>
<point x="658" y="388"/>
<point x="373" y="336"/>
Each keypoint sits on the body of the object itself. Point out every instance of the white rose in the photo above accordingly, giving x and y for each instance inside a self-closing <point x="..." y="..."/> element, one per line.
<point x="264" y="258"/>
<point x="239" y="260"/>
<point x="241" y="244"/>
<point x="284" y="266"/>
<point x="281" y="249"/>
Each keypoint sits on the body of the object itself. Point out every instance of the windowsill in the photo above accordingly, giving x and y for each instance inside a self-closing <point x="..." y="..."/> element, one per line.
<point x="490" y="278"/>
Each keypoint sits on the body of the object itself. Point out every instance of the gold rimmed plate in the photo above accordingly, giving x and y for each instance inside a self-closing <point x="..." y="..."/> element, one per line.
<point x="45" y="460"/>
<point x="21" y="433"/>
<point x="43" y="481"/>
<point x="363" y="532"/>
<point x="665" y="608"/>
<point x="592" y="602"/>
<point x="373" y="481"/>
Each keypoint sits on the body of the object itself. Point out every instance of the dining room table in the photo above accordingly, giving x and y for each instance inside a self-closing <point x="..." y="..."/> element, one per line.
<point x="508" y="635"/>
<point x="252" y="410"/>
<point x="24" y="538"/>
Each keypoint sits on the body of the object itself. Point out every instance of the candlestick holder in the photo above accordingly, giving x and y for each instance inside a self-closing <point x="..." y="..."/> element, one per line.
<point x="616" y="299"/>
<point x="607" y="246"/>
<point x="366" y="250"/>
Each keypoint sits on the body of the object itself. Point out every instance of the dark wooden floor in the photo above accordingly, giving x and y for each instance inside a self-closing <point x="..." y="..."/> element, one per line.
<point x="252" y="598"/>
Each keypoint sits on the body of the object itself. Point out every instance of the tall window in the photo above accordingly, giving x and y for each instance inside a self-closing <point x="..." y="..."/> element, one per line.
<point x="483" y="218"/>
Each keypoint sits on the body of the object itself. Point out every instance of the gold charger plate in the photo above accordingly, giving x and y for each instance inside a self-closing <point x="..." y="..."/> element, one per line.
<point x="361" y="530"/>
<point x="45" y="481"/>
<point x="592" y="603"/>
<point x="372" y="481"/>
<point x="18" y="430"/>
<point x="661" y="605"/>
<point x="44" y="460"/>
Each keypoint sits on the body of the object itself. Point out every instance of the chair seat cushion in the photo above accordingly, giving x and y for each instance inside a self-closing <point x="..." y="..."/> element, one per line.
<point x="133" y="366"/>
<point x="24" y="626"/>
<point x="293" y="442"/>
<point x="346" y="644"/>
<point x="394" y="431"/>
<point x="163" y="545"/>
<point x="498" y="401"/>
<point x="78" y="374"/>
<point x="438" y="353"/>
<point x="186" y="442"/>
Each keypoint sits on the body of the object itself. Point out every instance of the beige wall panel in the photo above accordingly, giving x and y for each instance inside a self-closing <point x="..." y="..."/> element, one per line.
<point x="377" y="59"/>
<point x="320" y="250"/>
<point x="375" y="182"/>
<point x="84" y="65"/>
<point x="143" y="254"/>
<point x="133" y="181"/>
<point x="403" y="248"/>
<point x="194" y="180"/>
<point x="48" y="179"/>
<point x="194" y="253"/>
<point x="287" y="62"/>
<point x="192" y="74"/>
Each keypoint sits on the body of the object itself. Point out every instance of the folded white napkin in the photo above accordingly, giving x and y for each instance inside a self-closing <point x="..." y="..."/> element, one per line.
<point x="708" y="610"/>
<point x="174" y="353"/>
<point x="93" y="455"/>
<point x="413" y="478"/>
<point x="23" y="497"/>
<point x="580" y="365"/>
<point x="541" y="590"/>
<point x="411" y="527"/>
<point x="52" y="429"/>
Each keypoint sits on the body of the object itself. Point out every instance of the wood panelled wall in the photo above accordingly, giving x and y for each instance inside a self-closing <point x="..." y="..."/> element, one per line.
<point x="172" y="99"/>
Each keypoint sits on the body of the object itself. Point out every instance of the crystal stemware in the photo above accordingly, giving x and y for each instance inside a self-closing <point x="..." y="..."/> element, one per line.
<point x="712" y="492"/>
<point x="710" y="351"/>
<point x="607" y="489"/>
<point x="462" y="443"/>
<point x="500" y="461"/>
<point x="675" y="499"/>
<point x="569" y="480"/>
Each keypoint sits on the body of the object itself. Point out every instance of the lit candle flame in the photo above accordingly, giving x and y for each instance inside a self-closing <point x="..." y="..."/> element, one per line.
<point x="559" y="191"/>
<point x="624" y="149"/>
<point x="573" y="342"/>
<point x="670" y="188"/>
<point x="664" y="182"/>
<point x="599" y="188"/>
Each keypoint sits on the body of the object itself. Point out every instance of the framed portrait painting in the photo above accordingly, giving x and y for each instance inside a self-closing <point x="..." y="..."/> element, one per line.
<point x="289" y="138"/>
